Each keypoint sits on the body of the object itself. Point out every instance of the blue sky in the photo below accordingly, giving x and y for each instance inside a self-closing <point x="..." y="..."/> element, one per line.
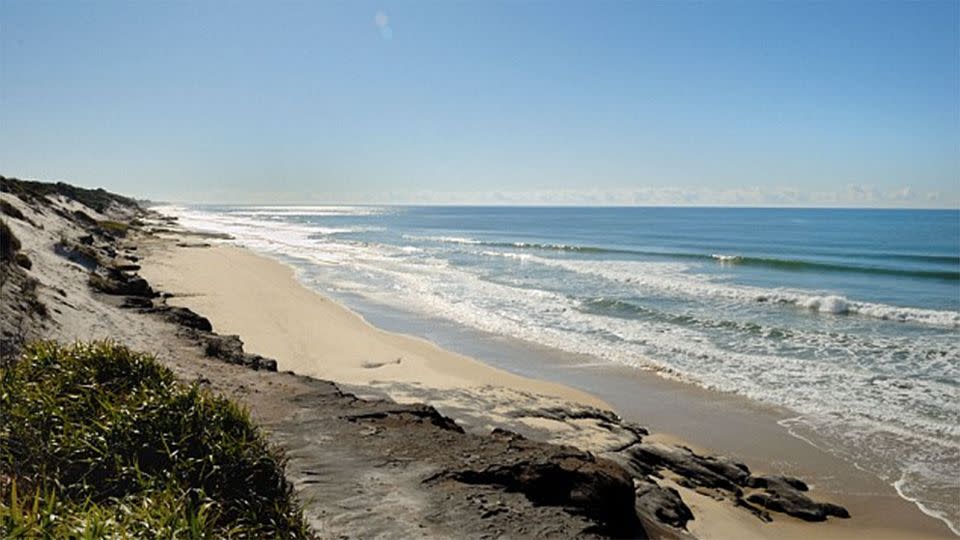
<point x="732" y="102"/>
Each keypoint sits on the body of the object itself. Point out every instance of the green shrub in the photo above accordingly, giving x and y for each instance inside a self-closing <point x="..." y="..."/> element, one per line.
<point x="96" y="440"/>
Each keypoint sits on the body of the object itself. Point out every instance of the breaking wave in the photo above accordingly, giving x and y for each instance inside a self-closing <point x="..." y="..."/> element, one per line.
<point x="797" y="265"/>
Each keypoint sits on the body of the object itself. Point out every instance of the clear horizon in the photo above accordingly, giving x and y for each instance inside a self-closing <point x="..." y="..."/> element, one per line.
<point x="315" y="204"/>
<point x="741" y="104"/>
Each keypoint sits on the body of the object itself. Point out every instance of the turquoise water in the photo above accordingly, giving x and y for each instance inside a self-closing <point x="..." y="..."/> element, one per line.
<point x="851" y="318"/>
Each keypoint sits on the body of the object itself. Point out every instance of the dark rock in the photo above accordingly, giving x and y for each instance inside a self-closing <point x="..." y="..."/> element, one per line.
<point x="662" y="504"/>
<point x="137" y="302"/>
<point x="86" y="239"/>
<point x="127" y="286"/>
<point x="764" y="481"/>
<point x="228" y="348"/>
<point x="251" y="361"/>
<point x="736" y="472"/>
<point x="566" y="413"/>
<point x="635" y="428"/>
<point x="558" y="476"/>
<point x="761" y="514"/>
<point x="127" y="267"/>
<point x="781" y="495"/>
<point x="255" y="361"/>
<point x="137" y="286"/>
<point x="185" y="317"/>
<point x="268" y="364"/>
<point x="711" y="472"/>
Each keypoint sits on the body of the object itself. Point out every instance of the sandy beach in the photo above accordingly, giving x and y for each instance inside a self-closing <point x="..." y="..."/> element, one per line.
<point x="261" y="300"/>
<point x="313" y="335"/>
<point x="685" y="449"/>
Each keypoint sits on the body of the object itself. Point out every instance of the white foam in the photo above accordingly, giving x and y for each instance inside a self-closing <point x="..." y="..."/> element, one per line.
<point x="727" y="258"/>
<point x="925" y="506"/>
<point x="444" y="239"/>
<point x="644" y="276"/>
<point x="827" y="304"/>
<point x="507" y="255"/>
<point x="306" y="211"/>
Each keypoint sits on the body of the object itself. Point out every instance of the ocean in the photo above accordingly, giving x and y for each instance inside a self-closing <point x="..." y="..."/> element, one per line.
<point x="848" y="317"/>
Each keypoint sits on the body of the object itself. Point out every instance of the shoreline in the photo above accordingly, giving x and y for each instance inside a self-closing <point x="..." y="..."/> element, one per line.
<point x="890" y="516"/>
<point x="773" y="447"/>
<point x="361" y="363"/>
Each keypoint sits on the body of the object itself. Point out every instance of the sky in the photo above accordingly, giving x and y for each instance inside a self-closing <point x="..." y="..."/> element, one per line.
<point x="839" y="103"/>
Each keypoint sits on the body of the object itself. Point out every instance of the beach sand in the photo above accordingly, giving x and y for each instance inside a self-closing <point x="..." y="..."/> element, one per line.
<point x="261" y="300"/>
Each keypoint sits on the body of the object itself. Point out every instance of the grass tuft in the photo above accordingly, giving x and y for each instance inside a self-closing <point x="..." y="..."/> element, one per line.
<point x="97" y="440"/>
<point x="114" y="227"/>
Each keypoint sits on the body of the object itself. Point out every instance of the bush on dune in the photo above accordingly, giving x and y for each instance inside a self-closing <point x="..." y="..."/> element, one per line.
<point x="96" y="440"/>
<point x="31" y="191"/>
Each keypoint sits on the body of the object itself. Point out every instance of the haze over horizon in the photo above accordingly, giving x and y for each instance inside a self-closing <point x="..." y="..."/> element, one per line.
<point x="749" y="103"/>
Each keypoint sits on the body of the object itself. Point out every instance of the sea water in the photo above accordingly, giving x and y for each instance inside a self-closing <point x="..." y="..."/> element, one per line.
<point x="849" y="317"/>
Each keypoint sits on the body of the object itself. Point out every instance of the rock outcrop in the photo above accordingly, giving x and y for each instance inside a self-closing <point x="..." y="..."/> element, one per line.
<point x="785" y="494"/>
<point x="661" y="504"/>
<point x="552" y="475"/>
<point x="729" y="477"/>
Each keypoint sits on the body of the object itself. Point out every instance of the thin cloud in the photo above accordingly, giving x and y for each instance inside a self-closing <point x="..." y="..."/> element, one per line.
<point x="382" y="21"/>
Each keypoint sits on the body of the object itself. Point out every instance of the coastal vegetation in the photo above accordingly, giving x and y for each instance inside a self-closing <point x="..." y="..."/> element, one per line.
<point x="35" y="192"/>
<point x="98" y="440"/>
<point x="114" y="227"/>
